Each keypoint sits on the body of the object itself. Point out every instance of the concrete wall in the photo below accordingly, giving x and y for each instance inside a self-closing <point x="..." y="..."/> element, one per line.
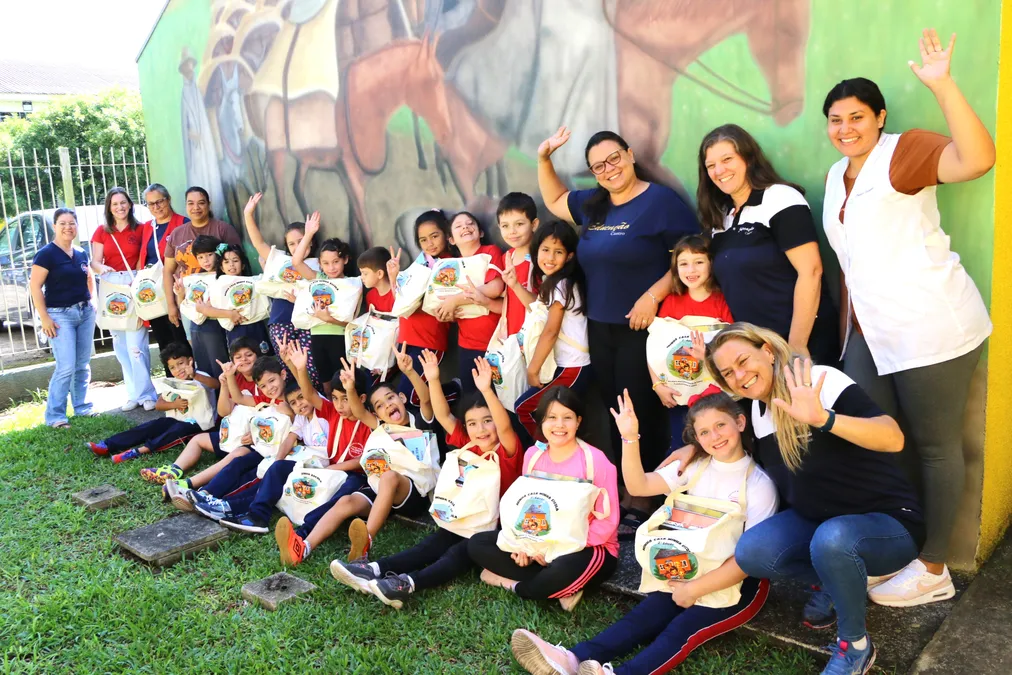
<point x="340" y="107"/>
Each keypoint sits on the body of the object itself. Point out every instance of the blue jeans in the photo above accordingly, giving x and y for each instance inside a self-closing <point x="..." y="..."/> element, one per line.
<point x="72" y="351"/>
<point x="838" y="554"/>
<point x="134" y="356"/>
<point x="356" y="480"/>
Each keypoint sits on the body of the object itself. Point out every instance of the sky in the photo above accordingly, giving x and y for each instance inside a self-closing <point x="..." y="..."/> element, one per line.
<point x="77" y="31"/>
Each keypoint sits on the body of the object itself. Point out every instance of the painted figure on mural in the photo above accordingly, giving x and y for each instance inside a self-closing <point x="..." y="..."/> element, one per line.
<point x="198" y="140"/>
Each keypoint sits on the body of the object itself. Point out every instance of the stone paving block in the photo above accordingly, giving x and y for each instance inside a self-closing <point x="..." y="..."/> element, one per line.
<point x="168" y="541"/>
<point x="275" y="590"/>
<point x="99" y="497"/>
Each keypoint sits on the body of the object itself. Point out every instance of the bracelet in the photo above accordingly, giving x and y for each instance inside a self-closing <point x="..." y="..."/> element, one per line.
<point x="653" y="297"/>
<point x="658" y="383"/>
<point x="630" y="440"/>
<point x="828" y="426"/>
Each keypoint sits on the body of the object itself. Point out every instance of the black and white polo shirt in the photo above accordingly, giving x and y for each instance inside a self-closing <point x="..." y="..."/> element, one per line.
<point x="836" y="477"/>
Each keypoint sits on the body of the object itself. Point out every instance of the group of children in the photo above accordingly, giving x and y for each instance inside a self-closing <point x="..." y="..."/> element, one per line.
<point x="325" y="411"/>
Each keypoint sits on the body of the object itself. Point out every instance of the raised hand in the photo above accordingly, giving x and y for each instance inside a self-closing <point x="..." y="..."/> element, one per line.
<point x="509" y="274"/>
<point x="227" y="368"/>
<point x="935" y="60"/>
<point x="625" y="419"/>
<point x="348" y="376"/>
<point x="404" y="361"/>
<point x="698" y="348"/>
<point x="482" y="374"/>
<point x="394" y="266"/>
<point x="312" y="223"/>
<point x="805" y="405"/>
<point x="553" y="142"/>
<point x="297" y="356"/>
<point x="430" y="366"/>
<point x="251" y="205"/>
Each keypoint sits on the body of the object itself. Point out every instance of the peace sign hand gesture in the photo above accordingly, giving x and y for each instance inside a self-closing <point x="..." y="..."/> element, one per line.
<point x="553" y="142"/>
<point x="935" y="60"/>
<point x="805" y="405"/>
<point x="509" y="274"/>
<point x="394" y="267"/>
<point x="625" y="419"/>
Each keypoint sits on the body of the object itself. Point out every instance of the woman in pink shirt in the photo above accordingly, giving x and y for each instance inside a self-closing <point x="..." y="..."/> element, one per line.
<point x="560" y="413"/>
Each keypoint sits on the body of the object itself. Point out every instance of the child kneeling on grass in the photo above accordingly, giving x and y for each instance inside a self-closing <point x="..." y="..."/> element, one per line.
<point x="243" y="353"/>
<point x="165" y="432"/>
<point x="442" y="556"/>
<point x="395" y="491"/>
<point x="327" y="427"/>
<point x="560" y="413"/>
<point x="671" y="624"/>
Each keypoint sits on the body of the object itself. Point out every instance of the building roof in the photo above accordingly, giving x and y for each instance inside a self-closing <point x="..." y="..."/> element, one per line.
<point x="18" y="77"/>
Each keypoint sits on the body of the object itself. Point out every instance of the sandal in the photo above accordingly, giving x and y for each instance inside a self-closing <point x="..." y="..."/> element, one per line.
<point x="630" y="522"/>
<point x="60" y="425"/>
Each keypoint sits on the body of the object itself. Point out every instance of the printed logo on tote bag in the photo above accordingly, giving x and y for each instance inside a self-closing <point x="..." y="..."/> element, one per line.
<point x="681" y="363"/>
<point x="535" y="518"/>
<point x="146" y="293"/>
<point x="197" y="291"/>
<point x="447" y="274"/>
<point x="377" y="463"/>
<point x="670" y="560"/>
<point x="240" y="294"/>
<point x="495" y="363"/>
<point x="304" y="487"/>
<point x="117" y="304"/>
<point x="265" y="429"/>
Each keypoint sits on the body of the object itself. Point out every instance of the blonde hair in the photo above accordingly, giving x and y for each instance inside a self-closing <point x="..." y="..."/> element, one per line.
<point x="792" y="435"/>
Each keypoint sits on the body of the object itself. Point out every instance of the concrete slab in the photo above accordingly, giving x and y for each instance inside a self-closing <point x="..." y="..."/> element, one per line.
<point x="168" y="541"/>
<point x="275" y="590"/>
<point x="100" y="497"/>
<point x="976" y="635"/>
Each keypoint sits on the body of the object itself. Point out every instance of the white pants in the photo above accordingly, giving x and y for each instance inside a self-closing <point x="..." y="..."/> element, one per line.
<point x="134" y="358"/>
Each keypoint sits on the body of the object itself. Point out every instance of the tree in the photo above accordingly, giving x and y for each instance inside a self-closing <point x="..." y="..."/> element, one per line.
<point x="111" y="119"/>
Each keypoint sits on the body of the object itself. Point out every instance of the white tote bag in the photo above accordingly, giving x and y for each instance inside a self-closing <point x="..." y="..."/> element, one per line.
<point x="409" y="287"/>
<point x="411" y="453"/>
<point x="196" y="288"/>
<point x="669" y="342"/>
<point x="530" y="333"/>
<point x="549" y="515"/>
<point x="308" y="489"/>
<point x="148" y="287"/>
<point x="239" y="293"/>
<point x="340" y="297"/>
<point x="279" y="276"/>
<point x="690" y="536"/>
<point x="509" y="369"/>
<point x="466" y="497"/>
<point x="447" y="279"/>
<point x="117" y="309"/>
<point x="234" y="427"/>
<point x="371" y="340"/>
<point x="199" y="411"/>
<point x="268" y="427"/>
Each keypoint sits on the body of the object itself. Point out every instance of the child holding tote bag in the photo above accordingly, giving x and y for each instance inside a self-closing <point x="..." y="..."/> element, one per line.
<point x="686" y="548"/>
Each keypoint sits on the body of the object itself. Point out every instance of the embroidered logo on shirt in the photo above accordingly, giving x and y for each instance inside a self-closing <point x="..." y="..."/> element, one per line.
<point x="615" y="230"/>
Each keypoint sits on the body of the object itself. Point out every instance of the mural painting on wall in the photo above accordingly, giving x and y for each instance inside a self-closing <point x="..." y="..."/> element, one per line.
<point x="298" y="95"/>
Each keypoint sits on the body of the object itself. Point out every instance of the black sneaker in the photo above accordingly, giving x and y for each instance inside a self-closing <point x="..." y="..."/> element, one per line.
<point x="245" y="523"/>
<point x="354" y="574"/>
<point x="392" y="589"/>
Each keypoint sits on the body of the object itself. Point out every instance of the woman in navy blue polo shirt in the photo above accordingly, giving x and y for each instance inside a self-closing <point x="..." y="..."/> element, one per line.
<point x="61" y="290"/>
<point x="765" y="249"/>
<point x="628" y="229"/>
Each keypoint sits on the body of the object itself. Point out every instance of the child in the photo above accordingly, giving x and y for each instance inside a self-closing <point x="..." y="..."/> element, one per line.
<point x="395" y="492"/>
<point x="243" y="352"/>
<point x="442" y="556"/>
<point x="560" y="413"/>
<point x="208" y="338"/>
<point x="421" y="330"/>
<point x="671" y="625"/>
<point x="326" y="341"/>
<point x="327" y="426"/>
<point x="558" y="281"/>
<point x="232" y="261"/>
<point x="165" y="432"/>
<point x="696" y="294"/>
<point x="474" y="334"/>
<point x="372" y="266"/>
<point x="518" y="220"/>
<point x="279" y="323"/>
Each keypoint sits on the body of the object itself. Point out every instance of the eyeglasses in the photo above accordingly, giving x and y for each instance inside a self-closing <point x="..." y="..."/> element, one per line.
<point x="157" y="203"/>
<point x="613" y="159"/>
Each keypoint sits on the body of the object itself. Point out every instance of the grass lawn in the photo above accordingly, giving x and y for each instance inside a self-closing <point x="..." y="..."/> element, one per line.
<point x="72" y="604"/>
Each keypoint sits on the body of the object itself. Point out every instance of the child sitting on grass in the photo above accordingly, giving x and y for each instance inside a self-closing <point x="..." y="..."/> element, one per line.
<point x="442" y="556"/>
<point x="163" y="433"/>
<point x="395" y="492"/>
<point x="243" y="353"/>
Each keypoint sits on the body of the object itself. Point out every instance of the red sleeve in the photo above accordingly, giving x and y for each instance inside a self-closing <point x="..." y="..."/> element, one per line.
<point x="510" y="468"/>
<point x="458" y="438"/>
<point x="497" y="261"/>
<point x="99" y="236"/>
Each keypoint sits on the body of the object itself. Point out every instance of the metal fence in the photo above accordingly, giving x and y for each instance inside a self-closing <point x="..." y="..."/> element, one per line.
<point x="33" y="184"/>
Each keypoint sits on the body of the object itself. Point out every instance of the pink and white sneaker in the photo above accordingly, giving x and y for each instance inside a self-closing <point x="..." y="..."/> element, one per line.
<point x="914" y="585"/>
<point x="540" y="658"/>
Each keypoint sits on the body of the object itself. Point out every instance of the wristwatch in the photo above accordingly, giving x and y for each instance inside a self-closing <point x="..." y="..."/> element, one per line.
<point x="828" y="426"/>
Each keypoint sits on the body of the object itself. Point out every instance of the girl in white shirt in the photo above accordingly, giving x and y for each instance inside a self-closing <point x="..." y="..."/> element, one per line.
<point x="558" y="282"/>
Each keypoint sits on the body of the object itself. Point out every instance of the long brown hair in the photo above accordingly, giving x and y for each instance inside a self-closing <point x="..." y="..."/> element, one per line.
<point x="110" y="220"/>
<point x="792" y="435"/>
<point x="712" y="203"/>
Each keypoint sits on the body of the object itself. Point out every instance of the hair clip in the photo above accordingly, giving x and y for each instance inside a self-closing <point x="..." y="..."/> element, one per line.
<point x="222" y="247"/>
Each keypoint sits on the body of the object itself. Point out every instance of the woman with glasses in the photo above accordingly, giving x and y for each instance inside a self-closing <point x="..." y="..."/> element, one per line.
<point x="61" y="288"/>
<point x="628" y="227"/>
<point x="153" y="234"/>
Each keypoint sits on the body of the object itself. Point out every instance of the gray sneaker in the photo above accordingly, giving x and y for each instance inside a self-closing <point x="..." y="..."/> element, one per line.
<point x="175" y="491"/>
<point x="393" y="589"/>
<point x="354" y="574"/>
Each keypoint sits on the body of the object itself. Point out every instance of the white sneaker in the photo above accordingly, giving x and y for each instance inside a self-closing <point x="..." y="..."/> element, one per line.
<point x="128" y="406"/>
<point x="540" y="658"/>
<point x="876" y="581"/>
<point x="149" y="405"/>
<point x="914" y="585"/>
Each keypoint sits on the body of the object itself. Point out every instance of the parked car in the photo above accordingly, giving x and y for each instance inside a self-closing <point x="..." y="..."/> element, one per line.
<point x="21" y="238"/>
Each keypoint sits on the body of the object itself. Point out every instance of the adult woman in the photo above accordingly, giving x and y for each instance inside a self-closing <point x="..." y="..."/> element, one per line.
<point x="179" y="259"/>
<point x="765" y="249"/>
<point x="61" y="288"/>
<point x="922" y="321"/>
<point x="153" y="235"/>
<point x="831" y="452"/>
<point x="628" y="228"/>
<point x="115" y="247"/>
